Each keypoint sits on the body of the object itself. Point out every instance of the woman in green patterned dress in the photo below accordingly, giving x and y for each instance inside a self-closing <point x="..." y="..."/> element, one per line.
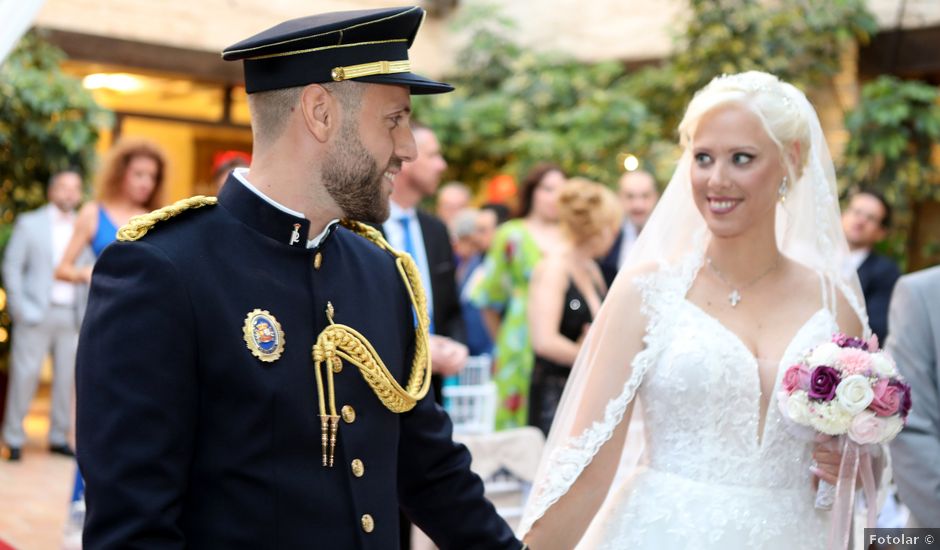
<point x="503" y="291"/>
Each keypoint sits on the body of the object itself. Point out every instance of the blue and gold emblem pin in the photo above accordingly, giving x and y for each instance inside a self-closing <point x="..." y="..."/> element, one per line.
<point x="263" y="335"/>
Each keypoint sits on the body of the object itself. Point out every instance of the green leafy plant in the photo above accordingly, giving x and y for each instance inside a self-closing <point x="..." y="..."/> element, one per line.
<point x="894" y="132"/>
<point x="515" y="106"/>
<point x="48" y="122"/>
<point x="802" y="42"/>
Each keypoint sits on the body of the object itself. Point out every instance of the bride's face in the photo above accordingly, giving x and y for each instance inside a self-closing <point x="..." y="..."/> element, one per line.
<point x="736" y="171"/>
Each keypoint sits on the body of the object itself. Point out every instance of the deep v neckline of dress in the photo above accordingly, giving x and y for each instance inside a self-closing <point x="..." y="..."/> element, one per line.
<point x="754" y="360"/>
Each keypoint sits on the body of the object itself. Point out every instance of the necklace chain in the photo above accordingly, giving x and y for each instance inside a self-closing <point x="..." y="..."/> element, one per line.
<point x="735" y="296"/>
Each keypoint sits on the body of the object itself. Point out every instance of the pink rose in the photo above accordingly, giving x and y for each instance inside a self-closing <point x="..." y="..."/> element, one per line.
<point x="854" y="361"/>
<point x="866" y="428"/>
<point x="791" y="379"/>
<point x="887" y="399"/>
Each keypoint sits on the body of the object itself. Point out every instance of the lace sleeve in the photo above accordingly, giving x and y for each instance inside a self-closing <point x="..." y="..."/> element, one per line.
<point x="598" y="394"/>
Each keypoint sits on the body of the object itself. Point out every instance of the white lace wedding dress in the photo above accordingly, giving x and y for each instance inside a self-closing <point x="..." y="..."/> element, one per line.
<point x="710" y="479"/>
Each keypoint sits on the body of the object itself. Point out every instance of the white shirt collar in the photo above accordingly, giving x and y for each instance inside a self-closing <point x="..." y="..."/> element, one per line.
<point x="241" y="174"/>
<point x="397" y="212"/>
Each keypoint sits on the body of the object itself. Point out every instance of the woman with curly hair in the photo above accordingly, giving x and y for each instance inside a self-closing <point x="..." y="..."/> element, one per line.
<point x="129" y="183"/>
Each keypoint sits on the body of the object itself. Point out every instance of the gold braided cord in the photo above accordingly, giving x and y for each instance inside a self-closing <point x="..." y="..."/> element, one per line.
<point x="345" y="342"/>
<point x="138" y="226"/>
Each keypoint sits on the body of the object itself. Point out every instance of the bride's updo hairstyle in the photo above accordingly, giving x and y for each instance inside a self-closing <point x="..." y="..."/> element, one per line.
<point x="772" y="101"/>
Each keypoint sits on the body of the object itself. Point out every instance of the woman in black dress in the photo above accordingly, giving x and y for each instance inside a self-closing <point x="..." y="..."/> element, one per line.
<point x="566" y="290"/>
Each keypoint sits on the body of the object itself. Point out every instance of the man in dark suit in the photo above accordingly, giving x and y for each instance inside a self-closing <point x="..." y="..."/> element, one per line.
<point x="249" y="371"/>
<point x="427" y="240"/>
<point x="865" y="221"/>
<point x="638" y="196"/>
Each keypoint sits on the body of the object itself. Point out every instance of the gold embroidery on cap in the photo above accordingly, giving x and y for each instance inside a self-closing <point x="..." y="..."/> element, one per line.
<point x="368" y="69"/>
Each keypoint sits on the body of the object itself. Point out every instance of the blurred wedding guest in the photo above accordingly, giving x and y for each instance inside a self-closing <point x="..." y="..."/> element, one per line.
<point x="427" y="240"/>
<point x="866" y="221"/>
<point x="45" y="313"/>
<point x="129" y="184"/>
<point x="503" y="291"/>
<point x="492" y="215"/>
<point x="915" y="346"/>
<point x="224" y="162"/>
<point x="566" y="291"/>
<point x="451" y="199"/>
<point x="638" y="195"/>
<point x="463" y="233"/>
<point x="469" y="252"/>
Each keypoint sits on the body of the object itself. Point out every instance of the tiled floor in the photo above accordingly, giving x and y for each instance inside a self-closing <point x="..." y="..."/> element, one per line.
<point x="35" y="492"/>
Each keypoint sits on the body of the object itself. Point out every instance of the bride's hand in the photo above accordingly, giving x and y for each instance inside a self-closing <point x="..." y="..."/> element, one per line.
<point x="827" y="459"/>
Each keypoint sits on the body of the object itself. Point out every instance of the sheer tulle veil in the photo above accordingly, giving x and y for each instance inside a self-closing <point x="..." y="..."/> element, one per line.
<point x="618" y="350"/>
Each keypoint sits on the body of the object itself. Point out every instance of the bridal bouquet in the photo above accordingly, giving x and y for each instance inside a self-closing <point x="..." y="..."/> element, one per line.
<point x="849" y="389"/>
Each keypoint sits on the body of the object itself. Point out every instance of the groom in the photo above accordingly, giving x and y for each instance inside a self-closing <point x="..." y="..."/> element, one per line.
<point x="209" y="408"/>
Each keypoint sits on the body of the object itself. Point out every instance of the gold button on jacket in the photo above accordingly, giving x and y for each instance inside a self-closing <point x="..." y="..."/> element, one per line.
<point x="349" y="414"/>
<point x="357" y="468"/>
<point x="368" y="524"/>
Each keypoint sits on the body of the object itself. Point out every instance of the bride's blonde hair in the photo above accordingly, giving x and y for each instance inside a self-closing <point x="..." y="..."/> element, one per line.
<point x="772" y="101"/>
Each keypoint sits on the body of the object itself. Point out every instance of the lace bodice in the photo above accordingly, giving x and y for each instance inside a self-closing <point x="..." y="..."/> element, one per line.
<point x="700" y="393"/>
<point x="711" y="477"/>
<point x="702" y="405"/>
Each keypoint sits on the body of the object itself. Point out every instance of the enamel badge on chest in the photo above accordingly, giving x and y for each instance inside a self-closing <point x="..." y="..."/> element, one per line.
<point x="263" y="335"/>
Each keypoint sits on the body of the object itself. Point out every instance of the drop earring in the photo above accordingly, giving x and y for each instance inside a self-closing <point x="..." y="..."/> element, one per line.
<point x="782" y="190"/>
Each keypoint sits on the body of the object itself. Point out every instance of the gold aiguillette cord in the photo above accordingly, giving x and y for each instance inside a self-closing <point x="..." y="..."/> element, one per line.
<point x="338" y="343"/>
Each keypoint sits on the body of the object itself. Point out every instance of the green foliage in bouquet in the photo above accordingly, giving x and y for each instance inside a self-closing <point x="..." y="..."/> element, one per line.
<point x="48" y="122"/>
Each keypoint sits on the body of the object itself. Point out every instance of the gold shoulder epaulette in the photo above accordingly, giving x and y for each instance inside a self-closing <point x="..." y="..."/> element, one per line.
<point x="138" y="226"/>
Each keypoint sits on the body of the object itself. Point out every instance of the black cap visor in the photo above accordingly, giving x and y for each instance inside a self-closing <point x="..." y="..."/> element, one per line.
<point x="418" y="84"/>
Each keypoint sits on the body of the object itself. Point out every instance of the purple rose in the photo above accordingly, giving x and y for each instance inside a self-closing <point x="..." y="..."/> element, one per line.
<point x="844" y="341"/>
<point x="905" y="397"/>
<point x="823" y="382"/>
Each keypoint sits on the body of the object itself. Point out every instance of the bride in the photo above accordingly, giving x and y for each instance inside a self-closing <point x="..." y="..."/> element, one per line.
<point x="736" y="274"/>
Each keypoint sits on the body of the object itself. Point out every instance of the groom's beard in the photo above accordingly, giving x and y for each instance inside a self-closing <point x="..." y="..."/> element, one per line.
<point x="354" y="180"/>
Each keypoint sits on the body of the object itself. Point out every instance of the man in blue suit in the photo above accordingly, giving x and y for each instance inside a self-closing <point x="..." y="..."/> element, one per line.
<point x="249" y="373"/>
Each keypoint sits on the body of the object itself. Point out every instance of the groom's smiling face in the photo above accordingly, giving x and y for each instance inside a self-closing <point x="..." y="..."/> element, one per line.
<point x="736" y="171"/>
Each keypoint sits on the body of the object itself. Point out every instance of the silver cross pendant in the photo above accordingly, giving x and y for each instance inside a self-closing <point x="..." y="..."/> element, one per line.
<point x="734" y="298"/>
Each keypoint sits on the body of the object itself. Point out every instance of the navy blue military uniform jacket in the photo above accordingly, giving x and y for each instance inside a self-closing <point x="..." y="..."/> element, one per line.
<point x="186" y="439"/>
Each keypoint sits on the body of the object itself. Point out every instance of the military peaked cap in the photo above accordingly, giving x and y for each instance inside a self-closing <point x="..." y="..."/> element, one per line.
<point x="363" y="45"/>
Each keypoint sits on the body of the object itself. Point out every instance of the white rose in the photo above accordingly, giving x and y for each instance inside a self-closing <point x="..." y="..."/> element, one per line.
<point x="883" y="365"/>
<point x="830" y="418"/>
<point x="854" y="393"/>
<point x="891" y="426"/>
<point x="798" y="407"/>
<point x="824" y="355"/>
